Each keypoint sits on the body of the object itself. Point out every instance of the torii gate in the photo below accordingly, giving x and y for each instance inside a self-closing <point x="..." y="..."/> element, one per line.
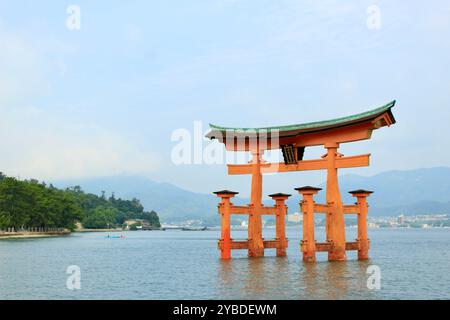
<point x="292" y="140"/>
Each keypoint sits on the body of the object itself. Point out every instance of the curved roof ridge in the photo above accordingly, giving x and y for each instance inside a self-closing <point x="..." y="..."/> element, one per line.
<point x="315" y="124"/>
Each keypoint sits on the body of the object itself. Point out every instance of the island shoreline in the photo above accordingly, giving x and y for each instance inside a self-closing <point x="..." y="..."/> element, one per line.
<point x="32" y="235"/>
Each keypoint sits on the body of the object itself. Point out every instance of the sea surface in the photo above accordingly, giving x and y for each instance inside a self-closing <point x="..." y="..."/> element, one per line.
<point x="414" y="264"/>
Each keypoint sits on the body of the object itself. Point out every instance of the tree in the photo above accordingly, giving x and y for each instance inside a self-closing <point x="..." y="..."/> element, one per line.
<point x="100" y="218"/>
<point x="152" y="217"/>
<point x="31" y="203"/>
<point x="15" y="203"/>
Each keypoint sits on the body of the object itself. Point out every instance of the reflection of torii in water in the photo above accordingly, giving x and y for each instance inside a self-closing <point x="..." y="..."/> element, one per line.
<point x="292" y="140"/>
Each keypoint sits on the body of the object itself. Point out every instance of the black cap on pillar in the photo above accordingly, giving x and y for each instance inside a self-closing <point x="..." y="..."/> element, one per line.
<point x="279" y="195"/>
<point x="308" y="188"/>
<point x="360" y="192"/>
<point x="227" y="192"/>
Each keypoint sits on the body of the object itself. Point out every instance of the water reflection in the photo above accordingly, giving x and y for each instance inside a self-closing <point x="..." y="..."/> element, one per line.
<point x="337" y="279"/>
<point x="290" y="278"/>
<point x="283" y="275"/>
<point x="225" y="272"/>
<point x="308" y="279"/>
<point x="255" y="280"/>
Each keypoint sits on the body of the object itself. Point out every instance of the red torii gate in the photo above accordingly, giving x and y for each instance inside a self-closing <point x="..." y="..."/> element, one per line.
<point x="292" y="140"/>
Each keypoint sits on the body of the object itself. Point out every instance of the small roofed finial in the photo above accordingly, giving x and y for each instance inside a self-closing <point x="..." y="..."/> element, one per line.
<point x="308" y="188"/>
<point x="226" y="192"/>
<point x="280" y="195"/>
<point x="360" y="191"/>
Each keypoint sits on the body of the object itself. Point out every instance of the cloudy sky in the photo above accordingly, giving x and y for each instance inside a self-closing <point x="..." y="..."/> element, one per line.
<point x="105" y="99"/>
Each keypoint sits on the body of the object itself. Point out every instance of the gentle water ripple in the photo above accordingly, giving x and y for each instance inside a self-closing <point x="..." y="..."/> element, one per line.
<point x="185" y="265"/>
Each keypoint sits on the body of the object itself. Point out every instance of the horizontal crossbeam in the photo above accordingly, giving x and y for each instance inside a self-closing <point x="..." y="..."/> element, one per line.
<point x="304" y="165"/>
<point x="326" y="246"/>
<point x="244" y="244"/>
<point x="325" y="208"/>
<point x="240" y="210"/>
<point x="249" y="210"/>
<point x="349" y="209"/>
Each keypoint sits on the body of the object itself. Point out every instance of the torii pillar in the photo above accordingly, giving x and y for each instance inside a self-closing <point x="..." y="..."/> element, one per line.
<point x="308" y="244"/>
<point x="363" y="240"/>
<point x="256" y="245"/>
<point x="225" y="204"/>
<point x="281" y="212"/>
<point x="335" y="224"/>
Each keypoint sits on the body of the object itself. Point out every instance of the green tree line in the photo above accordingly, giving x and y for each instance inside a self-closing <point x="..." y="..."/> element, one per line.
<point x="30" y="203"/>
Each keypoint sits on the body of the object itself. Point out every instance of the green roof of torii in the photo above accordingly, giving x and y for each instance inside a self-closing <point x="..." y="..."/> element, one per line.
<point x="312" y="126"/>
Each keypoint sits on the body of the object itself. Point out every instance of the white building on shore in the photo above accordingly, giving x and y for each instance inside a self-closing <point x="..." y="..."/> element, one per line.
<point x="295" y="217"/>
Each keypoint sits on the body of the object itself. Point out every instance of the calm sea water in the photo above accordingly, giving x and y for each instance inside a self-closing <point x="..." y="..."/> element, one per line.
<point x="415" y="264"/>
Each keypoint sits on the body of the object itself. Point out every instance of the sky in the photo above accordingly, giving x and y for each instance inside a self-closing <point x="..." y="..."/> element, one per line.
<point x="106" y="99"/>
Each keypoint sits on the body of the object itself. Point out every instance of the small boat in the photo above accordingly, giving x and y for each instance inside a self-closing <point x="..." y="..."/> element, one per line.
<point x="194" y="229"/>
<point x="115" y="237"/>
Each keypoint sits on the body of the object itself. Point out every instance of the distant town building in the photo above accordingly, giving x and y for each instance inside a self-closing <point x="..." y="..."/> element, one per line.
<point x="140" y="224"/>
<point x="295" y="217"/>
<point x="372" y="225"/>
<point x="401" y="219"/>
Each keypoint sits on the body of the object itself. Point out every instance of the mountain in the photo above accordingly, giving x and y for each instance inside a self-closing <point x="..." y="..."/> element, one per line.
<point x="172" y="203"/>
<point x="421" y="191"/>
<point x="409" y="192"/>
<point x="396" y="188"/>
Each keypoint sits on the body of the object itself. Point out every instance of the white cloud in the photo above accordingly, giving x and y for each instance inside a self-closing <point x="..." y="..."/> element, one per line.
<point x="22" y="69"/>
<point x="37" y="144"/>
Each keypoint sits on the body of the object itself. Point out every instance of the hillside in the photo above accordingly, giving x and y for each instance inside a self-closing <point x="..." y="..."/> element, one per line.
<point x="409" y="192"/>
<point x="173" y="204"/>
<point x="35" y="204"/>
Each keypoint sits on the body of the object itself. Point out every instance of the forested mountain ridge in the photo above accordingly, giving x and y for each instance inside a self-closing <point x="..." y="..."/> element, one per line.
<point x="31" y="204"/>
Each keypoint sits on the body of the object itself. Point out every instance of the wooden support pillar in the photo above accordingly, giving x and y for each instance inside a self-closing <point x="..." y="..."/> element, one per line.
<point x="256" y="245"/>
<point x="335" y="225"/>
<point x="363" y="240"/>
<point x="308" y="244"/>
<point x="225" y="210"/>
<point x="281" y="211"/>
